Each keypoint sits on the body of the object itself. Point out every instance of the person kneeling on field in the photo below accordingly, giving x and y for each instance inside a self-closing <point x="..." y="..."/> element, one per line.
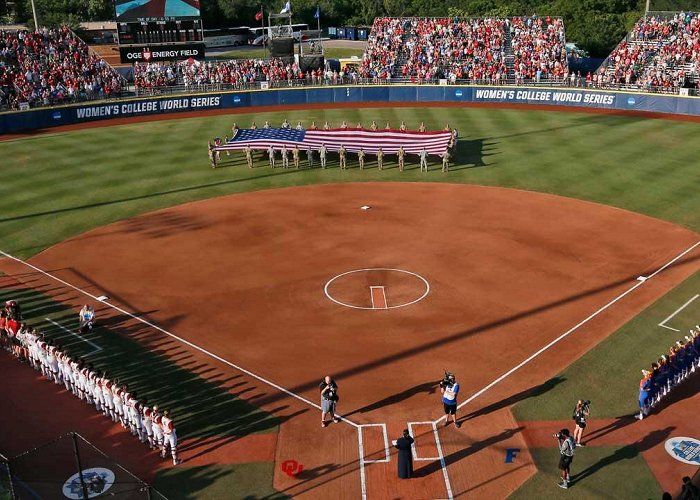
<point x="86" y="319"/>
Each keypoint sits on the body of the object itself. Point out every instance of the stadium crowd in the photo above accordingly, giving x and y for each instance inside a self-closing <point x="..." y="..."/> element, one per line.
<point x="239" y="73"/>
<point x="670" y="370"/>
<point x="51" y="66"/>
<point x="539" y="46"/>
<point x="467" y="49"/>
<point x="660" y="53"/>
<point x="96" y="387"/>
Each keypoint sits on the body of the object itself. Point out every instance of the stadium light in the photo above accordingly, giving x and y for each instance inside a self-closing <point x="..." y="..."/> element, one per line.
<point x="36" y="23"/>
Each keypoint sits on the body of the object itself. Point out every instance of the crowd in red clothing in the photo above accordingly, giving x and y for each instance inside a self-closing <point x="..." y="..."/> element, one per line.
<point x="539" y="47"/>
<point x="466" y="49"/>
<point x="661" y="53"/>
<point x="50" y="67"/>
<point x="239" y="73"/>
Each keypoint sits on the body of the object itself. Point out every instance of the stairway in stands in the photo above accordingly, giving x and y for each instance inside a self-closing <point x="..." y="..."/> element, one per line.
<point x="510" y="55"/>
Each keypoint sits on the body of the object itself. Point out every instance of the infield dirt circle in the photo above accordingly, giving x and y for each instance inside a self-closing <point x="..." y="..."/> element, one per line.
<point x="244" y="276"/>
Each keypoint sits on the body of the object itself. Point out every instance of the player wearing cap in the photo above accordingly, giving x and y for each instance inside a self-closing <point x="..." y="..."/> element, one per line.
<point x="169" y="437"/>
<point x="644" y="388"/>
<point x="147" y="422"/>
<point x="157" y="429"/>
<point x="107" y="397"/>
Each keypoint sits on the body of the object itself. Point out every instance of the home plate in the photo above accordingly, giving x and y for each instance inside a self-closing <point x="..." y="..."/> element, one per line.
<point x="365" y="207"/>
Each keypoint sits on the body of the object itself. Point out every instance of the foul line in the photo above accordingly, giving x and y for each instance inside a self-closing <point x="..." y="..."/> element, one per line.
<point x="413" y="447"/>
<point x="640" y="281"/>
<point x="440" y="456"/>
<point x="663" y="323"/>
<point x="172" y="335"/>
<point x="96" y="348"/>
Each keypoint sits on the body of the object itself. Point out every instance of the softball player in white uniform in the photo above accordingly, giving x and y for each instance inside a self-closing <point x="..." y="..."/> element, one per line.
<point x="147" y="422"/>
<point x="169" y="437"/>
<point x="157" y="429"/>
<point x="107" y="395"/>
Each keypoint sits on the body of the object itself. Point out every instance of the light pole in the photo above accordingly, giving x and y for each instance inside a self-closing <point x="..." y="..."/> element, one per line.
<point x="36" y="23"/>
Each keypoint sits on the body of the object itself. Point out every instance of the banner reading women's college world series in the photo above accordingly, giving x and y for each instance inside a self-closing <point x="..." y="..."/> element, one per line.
<point x="301" y="97"/>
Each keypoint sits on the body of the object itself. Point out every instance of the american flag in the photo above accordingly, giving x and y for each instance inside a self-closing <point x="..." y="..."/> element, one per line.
<point x="353" y="139"/>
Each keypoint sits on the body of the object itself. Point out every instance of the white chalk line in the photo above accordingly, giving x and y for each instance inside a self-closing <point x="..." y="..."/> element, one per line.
<point x="371" y="293"/>
<point x="386" y="444"/>
<point x="96" y="348"/>
<point x="663" y="323"/>
<point x="413" y="447"/>
<point x="352" y="306"/>
<point x="571" y="330"/>
<point x="172" y="335"/>
<point x="443" y="465"/>
<point x="440" y="457"/>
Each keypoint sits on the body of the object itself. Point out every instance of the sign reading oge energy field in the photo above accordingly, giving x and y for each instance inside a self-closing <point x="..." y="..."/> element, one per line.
<point x="147" y="107"/>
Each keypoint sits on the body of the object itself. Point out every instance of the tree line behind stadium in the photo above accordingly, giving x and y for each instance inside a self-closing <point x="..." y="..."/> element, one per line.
<point x="596" y="27"/>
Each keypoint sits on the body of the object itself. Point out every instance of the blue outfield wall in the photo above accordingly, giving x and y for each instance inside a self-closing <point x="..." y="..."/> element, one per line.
<point x="21" y="121"/>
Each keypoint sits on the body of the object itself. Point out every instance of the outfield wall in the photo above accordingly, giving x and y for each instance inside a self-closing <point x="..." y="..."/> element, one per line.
<point x="21" y="121"/>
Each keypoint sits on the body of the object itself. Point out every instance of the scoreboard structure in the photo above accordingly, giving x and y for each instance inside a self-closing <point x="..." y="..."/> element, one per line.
<point x="159" y="30"/>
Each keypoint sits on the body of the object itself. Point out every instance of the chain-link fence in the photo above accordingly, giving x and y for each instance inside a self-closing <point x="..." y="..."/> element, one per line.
<point x="69" y="467"/>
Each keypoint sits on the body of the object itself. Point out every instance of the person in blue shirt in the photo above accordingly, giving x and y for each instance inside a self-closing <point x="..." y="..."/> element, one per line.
<point x="449" y="389"/>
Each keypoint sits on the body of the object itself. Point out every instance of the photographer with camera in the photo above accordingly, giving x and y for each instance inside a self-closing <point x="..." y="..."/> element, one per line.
<point x="580" y="416"/>
<point x="567" y="446"/>
<point x="329" y="398"/>
<point x="449" y="388"/>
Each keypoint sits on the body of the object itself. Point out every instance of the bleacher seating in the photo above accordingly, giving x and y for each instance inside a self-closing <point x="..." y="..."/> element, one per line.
<point x="486" y="50"/>
<point x="52" y="67"/>
<point x="662" y="52"/>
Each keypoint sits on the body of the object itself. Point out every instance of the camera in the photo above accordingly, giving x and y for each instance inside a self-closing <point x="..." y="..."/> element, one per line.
<point x="559" y="436"/>
<point x="447" y="380"/>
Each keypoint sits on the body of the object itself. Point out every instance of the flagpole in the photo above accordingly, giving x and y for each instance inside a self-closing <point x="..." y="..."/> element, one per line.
<point x="263" y="32"/>
<point x="318" y="21"/>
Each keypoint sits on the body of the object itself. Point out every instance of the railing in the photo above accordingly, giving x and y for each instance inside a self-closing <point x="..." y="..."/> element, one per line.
<point x="578" y="83"/>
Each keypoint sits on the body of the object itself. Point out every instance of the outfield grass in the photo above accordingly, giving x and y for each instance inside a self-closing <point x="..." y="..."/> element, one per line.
<point x="259" y="53"/>
<point x="604" y="472"/>
<point x="63" y="184"/>
<point x="609" y="374"/>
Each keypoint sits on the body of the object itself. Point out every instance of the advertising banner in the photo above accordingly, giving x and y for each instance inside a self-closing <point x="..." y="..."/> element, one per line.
<point x="145" y="53"/>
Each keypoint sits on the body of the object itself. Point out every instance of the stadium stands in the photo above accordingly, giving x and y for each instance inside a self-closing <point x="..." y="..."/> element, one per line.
<point x="662" y="52"/>
<point x="484" y="50"/>
<point x="51" y="67"/>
